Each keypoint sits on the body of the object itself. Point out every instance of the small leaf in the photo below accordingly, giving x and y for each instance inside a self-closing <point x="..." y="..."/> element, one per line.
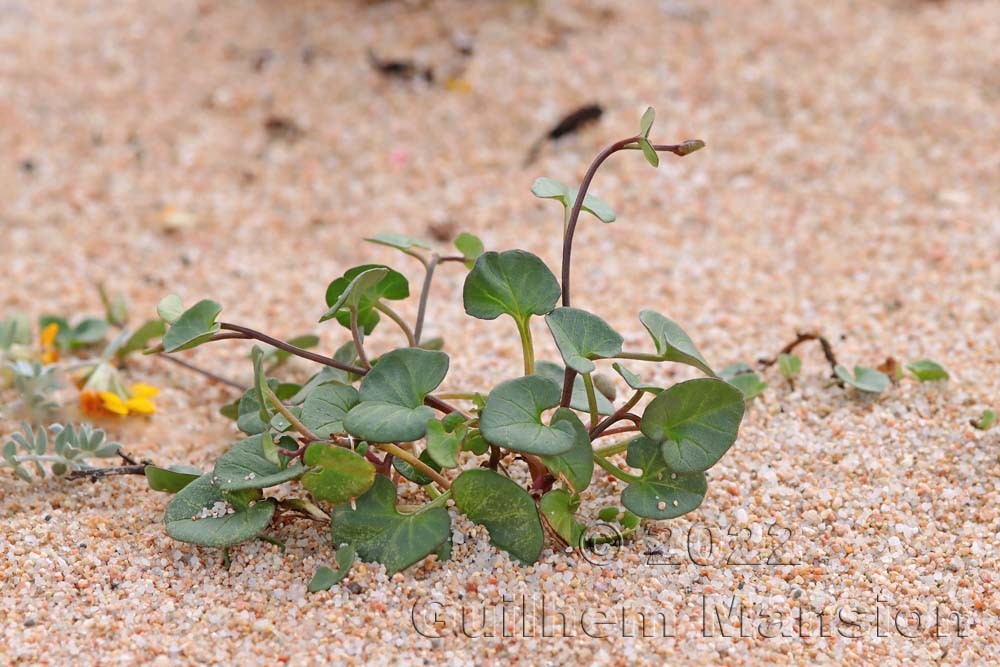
<point x="577" y="465"/>
<point x="172" y="479"/>
<point x="218" y="527"/>
<point x="649" y="152"/>
<point x="634" y="381"/>
<point x="559" y="507"/>
<point x="864" y="379"/>
<point x="646" y="122"/>
<point x="248" y="466"/>
<point x="743" y="377"/>
<point x="336" y="474"/>
<point x="443" y="446"/>
<point x="582" y="336"/>
<point x="986" y="421"/>
<point x="696" y="422"/>
<point x="170" y="308"/>
<point x="547" y="188"/>
<point x="672" y="344"/>
<point x="392" y="396"/>
<point x="512" y="417"/>
<point x="504" y="508"/>
<point x="377" y="530"/>
<point x="140" y="339"/>
<point x="398" y="241"/>
<point x="514" y="282"/>
<point x="789" y="365"/>
<point x="578" y="400"/>
<point x="325" y="578"/>
<point x="194" y="326"/>
<point x="348" y="291"/>
<point x="927" y="370"/>
<point x="660" y="493"/>
<point x="470" y="246"/>
<point x="87" y="332"/>
<point x="326" y="407"/>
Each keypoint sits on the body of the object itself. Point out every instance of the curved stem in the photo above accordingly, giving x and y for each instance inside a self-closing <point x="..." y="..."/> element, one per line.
<point x="611" y="450"/>
<point x="429" y="267"/>
<point x="638" y="356"/>
<point x="617" y="416"/>
<point x="615" y="470"/>
<point x="201" y="371"/>
<point x="619" y="431"/>
<point x="401" y="453"/>
<point x="297" y="351"/>
<point x="394" y="316"/>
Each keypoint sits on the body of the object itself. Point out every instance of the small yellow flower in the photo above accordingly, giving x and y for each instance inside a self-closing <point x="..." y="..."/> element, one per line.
<point x="104" y="395"/>
<point x="143" y="390"/>
<point x="50" y="354"/>
<point x="113" y="403"/>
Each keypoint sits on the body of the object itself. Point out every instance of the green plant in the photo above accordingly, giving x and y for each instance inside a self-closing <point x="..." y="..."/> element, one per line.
<point x="366" y="421"/>
<point x="67" y="451"/>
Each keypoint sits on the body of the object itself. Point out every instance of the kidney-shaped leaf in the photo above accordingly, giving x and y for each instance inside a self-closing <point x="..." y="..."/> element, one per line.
<point x="504" y="508"/>
<point x="582" y="336"/>
<point x="325" y="408"/>
<point x="378" y="532"/>
<point x="251" y="465"/>
<point x="671" y="342"/>
<point x="559" y="507"/>
<point x="392" y="396"/>
<point x="512" y="417"/>
<point x="660" y="493"/>
<point x="193" y="327"/>
<point x="514" y="282"/>
<point x="548" y="188"/>
<point x="202" y="514"/>
<point x="696" y="422"/>
<point x="336" y="474"/>
<point x="359" y="288"/>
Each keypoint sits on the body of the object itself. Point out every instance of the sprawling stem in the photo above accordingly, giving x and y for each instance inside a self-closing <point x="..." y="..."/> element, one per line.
<point x="638" y="356"/>
<point x="411" y="339"/>
<point x="574" y="216"/>
<point x="433" y="402"/>
<point x="617" y="416"/>
<point x="401" y="453"/>
<point x="611" y="450"/>
<point x="201" y="371"/>
<point x="429" y="266"/>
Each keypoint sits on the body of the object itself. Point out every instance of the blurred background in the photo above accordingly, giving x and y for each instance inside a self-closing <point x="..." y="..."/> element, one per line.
<point x="240" y="151"/>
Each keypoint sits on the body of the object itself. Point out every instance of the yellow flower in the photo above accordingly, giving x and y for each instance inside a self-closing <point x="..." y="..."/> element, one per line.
<point x="113" y="403"/>
<point x="50" y="354"/>
<point x="143" y="390"/>
<point x="104" y="395"/>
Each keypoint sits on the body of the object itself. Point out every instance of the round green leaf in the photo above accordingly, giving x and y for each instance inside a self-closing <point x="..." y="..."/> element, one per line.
<point x="392" y="396"/>
<point x="336" y="474"/>
<point x="360" y="287"/>
<point x="377" y="530"/>
<point x="470" y="246"/>
<point x="696" y="422"/>
<point x="512" y="417"/>
<point x="864" y="379"/>
<point x="514" y="282"/>
<point x="504" y="508"/>
<point x="582" y="336"/>
<point x="326" y="406"/>
<point x="577" y="465"/>
<point x="660" y="493"/>
<point x="672" y="344"/>
<point x="743" y="377"/>
<point x="443" y="446"/>
<point x="193" y="327"/>
<point x="789" y="365"/>
<point x="251" y="465"/>
<point x="200" y="514"/>
<point x="559" y="507"/>
<point x="170" y="308"/>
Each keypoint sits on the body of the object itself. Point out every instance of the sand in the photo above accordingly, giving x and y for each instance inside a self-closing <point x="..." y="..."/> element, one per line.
<point x="240" y="151"/>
